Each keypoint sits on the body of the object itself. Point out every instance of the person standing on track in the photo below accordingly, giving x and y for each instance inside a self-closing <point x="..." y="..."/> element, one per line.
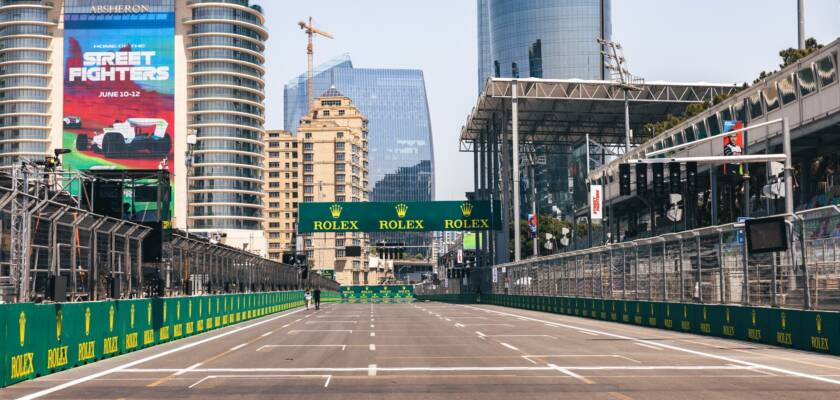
<point x="307" y="298"/>
<point x="317" y="296"/>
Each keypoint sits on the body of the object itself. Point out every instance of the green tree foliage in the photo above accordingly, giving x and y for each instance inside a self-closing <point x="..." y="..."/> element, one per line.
<point x="789" y="56"/>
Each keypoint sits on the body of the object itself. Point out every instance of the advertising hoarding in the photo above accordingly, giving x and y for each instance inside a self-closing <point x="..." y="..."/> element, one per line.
<point x="119" y="88"/>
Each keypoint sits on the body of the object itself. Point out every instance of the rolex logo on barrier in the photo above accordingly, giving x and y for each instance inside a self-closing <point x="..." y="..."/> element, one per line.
<point x="342" y="225"/>
<point x="401" y="224"/>
<point x="335" y="210"/>
<point x="466" y="209"/>
<point x="402" y="209"/>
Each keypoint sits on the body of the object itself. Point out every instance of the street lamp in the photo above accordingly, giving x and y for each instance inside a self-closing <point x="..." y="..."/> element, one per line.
<point x="188" y="162"/>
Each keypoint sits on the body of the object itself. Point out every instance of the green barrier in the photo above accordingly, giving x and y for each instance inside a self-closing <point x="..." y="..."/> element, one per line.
<point x="41" y="339"/>
<point x="817" y="331"/>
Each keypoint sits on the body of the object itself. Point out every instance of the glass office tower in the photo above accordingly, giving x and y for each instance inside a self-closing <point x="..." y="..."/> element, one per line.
<point x="541" y="39"/>
<point x="401" y="158"/>
<point x="551" y="39"/>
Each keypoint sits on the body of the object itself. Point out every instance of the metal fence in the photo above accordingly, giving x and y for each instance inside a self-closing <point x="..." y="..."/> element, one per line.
<point x="707" y="265"/>
<point x="47" y="239"/>
<point x="44" y="238"/>
<point x="200" y="266"/>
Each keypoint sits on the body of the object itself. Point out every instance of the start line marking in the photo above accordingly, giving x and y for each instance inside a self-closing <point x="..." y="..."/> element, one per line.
<point x="208" y="377"/>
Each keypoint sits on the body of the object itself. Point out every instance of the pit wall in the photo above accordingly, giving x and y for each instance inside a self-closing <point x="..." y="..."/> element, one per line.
<point x="817" y="331"/>
<point x="39" y="339"/>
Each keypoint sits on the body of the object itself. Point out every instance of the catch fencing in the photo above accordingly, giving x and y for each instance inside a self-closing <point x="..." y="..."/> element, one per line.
<point x="706" y="266"/>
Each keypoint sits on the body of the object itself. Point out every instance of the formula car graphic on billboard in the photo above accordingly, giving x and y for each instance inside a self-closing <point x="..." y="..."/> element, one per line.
<point x="119" y="91"/>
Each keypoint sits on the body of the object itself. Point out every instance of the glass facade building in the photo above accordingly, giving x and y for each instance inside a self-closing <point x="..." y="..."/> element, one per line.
<point x="399" y="128"/>
<point x="401" y="158"/>
<point x="551" y="39"/>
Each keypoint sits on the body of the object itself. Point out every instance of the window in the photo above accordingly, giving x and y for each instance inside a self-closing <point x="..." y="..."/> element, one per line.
<point x="713" y="125"/>
<point x="273" y="174"/>
<point x="678" y="138"/>
<point x="755" y="106"/>
<point x="689" y="134"/>
<point x="307" y="156"/>
<point x="700" y="130"/>
<point x="339" y="146"/>
<point x="740" y="111"/>
<point x="325" y="113"/>
<point x="308" y="189"/>
<point x="826" y="71"/>
<point x="339" y="134"/>
<point x="340" y="113"/>
<point x="339" y="178"/>
<point x="339" y="156"/>
<point x="787" y="90"/>
<point x="339" y="253"/>
<point x="725" y="115"/>
<point x="273" y="154"/>
<point x="307" y="167"/>
<point x="273" y="144"/>
<point x="339" y="168"/>
<point x="274" y="215"/>
<point x="807" y="81"/>
<point x="307" y="146"/>
<point x="330" y="103"/>
<point x="339" y="198"/>
<point x="307" y="135"/>
<point x="274" y="235"/>
<point x="274" y="195"/>
<point x="275" y="225"/>
<point x="771" y="97"/>
<point x="274" y="165"/>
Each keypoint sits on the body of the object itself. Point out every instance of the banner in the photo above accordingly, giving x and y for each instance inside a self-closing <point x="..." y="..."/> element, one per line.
<point x="596" y="202"/>
<point x="119" y="85"/>
<point x="416" y="216"/>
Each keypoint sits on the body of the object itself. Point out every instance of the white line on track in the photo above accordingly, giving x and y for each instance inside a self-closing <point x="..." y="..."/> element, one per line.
<point x="509" y="346"/>
<point x="648" y="346"/>
<point x="459" y="325"/>
<point x="449" y="369"/>
<point x="188" y="369"/>
<point x="292" y="332"/>
<point x="372" y="347"/>
<point x="480" y="334"/>
<point x="372" y="334"/>
<point x="343" y="346"/>
<point x="208" y="377"/>
<point x="331" y="322"/>
<point x="234" y="348"/>
<point x="586" y="333"/>
<point x="372" y="325"/>
<point x="327" y="383"/>
<point x="266" y="334"/>
<point x="677" y="348"/>
<point x="566" y="371"/>
<point x="100" y="374"/>
<point x="372" y="370"/>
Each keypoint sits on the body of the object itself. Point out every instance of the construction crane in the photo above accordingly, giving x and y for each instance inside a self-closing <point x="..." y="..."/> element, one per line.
<point x="310" y="83"/>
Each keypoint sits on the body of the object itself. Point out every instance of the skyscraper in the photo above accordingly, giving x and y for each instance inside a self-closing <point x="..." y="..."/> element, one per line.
<point x="399" y="129"/>
<point x="202" y="72"/>
<point x="543" y="39"/>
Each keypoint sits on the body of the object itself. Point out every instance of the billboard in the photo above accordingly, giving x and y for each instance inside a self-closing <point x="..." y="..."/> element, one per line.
<point x="119" y="88"/>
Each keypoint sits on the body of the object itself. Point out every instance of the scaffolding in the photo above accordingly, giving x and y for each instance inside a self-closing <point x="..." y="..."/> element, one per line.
<point x="47" y="235"/>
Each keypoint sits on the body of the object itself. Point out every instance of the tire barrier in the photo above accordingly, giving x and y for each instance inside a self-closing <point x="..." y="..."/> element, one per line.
<point x="817" y="331"/>
<point x="377" y="294"/>
<point x="39" y="339"/>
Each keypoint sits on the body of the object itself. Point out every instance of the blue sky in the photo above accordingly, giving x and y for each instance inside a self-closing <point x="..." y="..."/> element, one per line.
<point x="679" y="40"/>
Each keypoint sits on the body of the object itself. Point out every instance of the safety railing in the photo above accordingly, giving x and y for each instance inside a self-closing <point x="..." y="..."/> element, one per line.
<point x="709" y="265"/>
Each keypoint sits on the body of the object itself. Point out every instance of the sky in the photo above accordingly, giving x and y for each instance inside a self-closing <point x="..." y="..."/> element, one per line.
<point x="721" y="41"/>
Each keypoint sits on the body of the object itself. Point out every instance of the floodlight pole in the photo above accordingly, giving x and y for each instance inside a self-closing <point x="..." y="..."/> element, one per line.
<point x="800" y="13"/>
<point x="514" y="108"/>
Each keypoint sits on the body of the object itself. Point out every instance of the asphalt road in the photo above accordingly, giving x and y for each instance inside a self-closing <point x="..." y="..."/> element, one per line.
<point x="444" y="351"/>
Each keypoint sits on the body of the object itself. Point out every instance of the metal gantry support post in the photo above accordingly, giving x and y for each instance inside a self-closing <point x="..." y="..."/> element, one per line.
<point x="514" y="108"/>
